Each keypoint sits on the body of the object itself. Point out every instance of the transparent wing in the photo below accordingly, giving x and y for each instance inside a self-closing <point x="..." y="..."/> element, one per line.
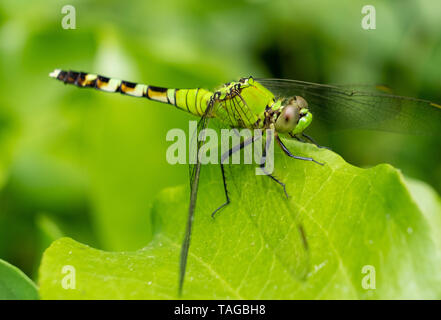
<point x="360" y="107"/>
<point x="235" y="112"/>
<point x="195" y="170"/>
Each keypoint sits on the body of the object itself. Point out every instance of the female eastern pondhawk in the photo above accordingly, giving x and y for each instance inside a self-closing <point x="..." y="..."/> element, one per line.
<point x="287" y="106"/>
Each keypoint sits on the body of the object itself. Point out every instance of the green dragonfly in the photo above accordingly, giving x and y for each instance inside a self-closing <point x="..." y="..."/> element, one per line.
<point x="286" y="106"/>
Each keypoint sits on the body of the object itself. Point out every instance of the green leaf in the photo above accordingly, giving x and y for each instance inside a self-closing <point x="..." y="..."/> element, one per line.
<point x="430" y="204"/>
<point x="14" y="284"/>
<point x="363" y="230"/>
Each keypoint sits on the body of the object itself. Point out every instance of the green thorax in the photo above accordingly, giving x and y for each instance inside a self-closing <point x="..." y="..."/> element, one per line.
<point x="243" y="103"/>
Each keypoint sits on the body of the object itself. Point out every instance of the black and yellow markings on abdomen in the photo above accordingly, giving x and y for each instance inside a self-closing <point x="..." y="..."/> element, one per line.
<point x="83" y="79"/>
<point x="158" y="94"/>
<point x="190" y="100"/>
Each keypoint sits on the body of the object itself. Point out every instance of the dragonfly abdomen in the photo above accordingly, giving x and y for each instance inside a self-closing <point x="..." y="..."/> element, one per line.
<point x="194" y="101"/>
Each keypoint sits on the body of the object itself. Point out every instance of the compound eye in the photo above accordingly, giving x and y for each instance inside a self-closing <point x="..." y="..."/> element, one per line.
<point x="288" y="119"/>
<point x="301" y="102"/>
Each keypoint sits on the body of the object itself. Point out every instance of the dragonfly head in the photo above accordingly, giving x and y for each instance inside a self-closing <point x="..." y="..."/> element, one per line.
<point x="294" y="117"/>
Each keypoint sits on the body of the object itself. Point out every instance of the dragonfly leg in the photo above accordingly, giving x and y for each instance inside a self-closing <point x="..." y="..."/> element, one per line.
<point x="288" y="153"/>
<point x="313" y="141"/>
<point x="299" y="139"/>
<point x="224" y="157"/>
<point x="262" y="167"/>
<point x="227" y="202"/>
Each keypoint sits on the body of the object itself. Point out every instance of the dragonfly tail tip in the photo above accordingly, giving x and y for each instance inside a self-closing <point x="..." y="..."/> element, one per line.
<point x="54" y="74"/>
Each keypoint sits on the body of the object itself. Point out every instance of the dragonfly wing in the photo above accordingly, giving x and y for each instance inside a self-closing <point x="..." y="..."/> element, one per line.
<point x="345" y="107"/>
<point x="194" y="173"/>
<point x="235" y="112"/>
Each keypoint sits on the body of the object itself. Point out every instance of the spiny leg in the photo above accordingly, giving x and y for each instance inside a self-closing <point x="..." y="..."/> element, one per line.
<point x="224" y="157"/>
<point x="288" y="153"/>
<point x="262" y="167"/>
<point x="299" y="139"/>
<point x="227" y="202"/>
<point x="313" y="141"/>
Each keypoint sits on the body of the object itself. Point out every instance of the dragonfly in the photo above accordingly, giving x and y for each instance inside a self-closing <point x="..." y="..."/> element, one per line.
<point x="287" y="107"/>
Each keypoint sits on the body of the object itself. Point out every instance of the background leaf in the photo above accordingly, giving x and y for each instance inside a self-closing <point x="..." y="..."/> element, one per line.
<point x="430" y="204"/>
<point x="15" y="285"/>
<point x="352" y="217"/>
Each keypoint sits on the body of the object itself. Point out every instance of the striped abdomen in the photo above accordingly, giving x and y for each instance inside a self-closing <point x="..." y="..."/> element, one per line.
<point x="194" y="101"/>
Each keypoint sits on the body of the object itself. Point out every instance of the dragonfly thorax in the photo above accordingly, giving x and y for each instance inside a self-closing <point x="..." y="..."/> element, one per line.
<point x="248" y="104"/>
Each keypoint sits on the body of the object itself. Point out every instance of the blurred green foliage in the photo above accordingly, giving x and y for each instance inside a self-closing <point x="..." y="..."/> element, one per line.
<point x="88" y="165"/>
<point x="15" y="285"/>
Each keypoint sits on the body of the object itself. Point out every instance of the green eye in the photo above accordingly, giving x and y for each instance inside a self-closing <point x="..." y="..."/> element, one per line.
<point x="288" y="119"/>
